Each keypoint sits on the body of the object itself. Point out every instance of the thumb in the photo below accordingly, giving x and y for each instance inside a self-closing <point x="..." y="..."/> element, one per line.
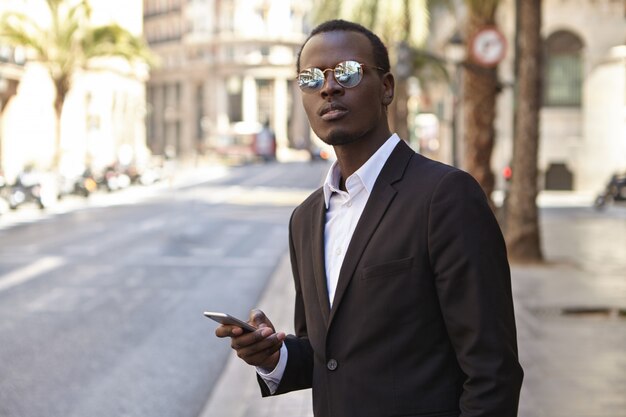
<point x="258" y="317"/>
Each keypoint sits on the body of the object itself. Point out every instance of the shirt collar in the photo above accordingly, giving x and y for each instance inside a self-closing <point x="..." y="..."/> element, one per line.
<point x="367" y="173"/>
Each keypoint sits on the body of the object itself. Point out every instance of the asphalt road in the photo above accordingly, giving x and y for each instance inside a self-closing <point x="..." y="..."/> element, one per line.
<point x="101" y="307"/>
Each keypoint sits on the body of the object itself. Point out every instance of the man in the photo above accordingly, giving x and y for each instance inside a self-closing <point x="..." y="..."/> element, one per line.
<point x="403" y="294"/>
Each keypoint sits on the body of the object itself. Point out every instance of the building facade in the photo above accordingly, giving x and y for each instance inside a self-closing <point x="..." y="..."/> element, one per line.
<point x="103" y="117"/>
<point x="583" y="114"/>
<point x="11" y="71"/>
<point x="227" y="67"/>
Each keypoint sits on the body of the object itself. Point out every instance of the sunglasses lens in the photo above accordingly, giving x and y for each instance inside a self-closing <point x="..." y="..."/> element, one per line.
<point x="348" y="73"/>
<point x="311" y="79"/>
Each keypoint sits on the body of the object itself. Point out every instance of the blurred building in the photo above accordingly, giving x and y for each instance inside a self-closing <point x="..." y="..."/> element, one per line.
<point x="227" y="67"/>
<point x="103" y="116"/>
<point x="11" y="70"/>
<point x="583" y="116"/>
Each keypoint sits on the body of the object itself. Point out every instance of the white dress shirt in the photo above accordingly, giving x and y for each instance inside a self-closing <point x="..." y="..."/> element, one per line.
<point x="343" y="211"/>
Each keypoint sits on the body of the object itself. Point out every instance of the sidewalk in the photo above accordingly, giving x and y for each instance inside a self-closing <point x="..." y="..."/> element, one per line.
<point x="185" y="176"/>
<point x="571" y="319"/>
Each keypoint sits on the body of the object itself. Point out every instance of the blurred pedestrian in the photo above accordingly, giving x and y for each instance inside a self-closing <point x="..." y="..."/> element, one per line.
<point x="403" y="295"/>
<point x="265" y="143"/>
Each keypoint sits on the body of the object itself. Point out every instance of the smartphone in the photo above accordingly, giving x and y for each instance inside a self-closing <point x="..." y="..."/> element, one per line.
<point x="224" y="318"/>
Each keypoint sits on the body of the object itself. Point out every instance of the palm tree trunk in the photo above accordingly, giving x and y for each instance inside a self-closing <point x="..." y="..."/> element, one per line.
<point x="62" y="87"/>
<point x="522" y="219"/>
<point x="401" y="110"/>
<point x="480" y="89"/>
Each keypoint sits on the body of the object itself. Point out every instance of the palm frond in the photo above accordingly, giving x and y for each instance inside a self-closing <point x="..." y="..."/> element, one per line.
<point x="114" y="40"/>
<point x="430" y="67"/>
<point x="367" y="12"/>
<point x="18" y="29"/>
<point x="326" y="10"/>
<point x="81" y="10"/>
<point x="483" y="9"/>
<point x="402" y="20"/>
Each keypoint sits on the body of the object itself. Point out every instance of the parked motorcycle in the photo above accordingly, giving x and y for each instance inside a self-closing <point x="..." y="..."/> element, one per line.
<point x="28" y="188"/>
<point x="3" y="184"/>
<point x="4" y="188"/>
<point x="82" y="185"/>
<point x="615" y="190"/>
<point x="114" y="178"/>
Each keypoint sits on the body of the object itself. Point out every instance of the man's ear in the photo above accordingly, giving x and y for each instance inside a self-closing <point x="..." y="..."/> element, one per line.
<point x="389" y="85"/>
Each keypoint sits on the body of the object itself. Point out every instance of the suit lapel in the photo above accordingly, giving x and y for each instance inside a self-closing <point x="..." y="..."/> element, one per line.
<point x="317" y="244"/>
<point x="379" y="200"/>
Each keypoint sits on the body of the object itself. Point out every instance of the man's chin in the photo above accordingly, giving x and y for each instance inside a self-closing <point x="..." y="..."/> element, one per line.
<point x="338" y="138"/>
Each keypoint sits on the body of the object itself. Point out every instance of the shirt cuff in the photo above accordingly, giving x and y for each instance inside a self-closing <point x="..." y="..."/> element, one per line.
<point x="272" y="378"/>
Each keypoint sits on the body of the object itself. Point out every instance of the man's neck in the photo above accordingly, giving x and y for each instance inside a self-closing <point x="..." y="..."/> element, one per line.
<point x="352" y="156"/>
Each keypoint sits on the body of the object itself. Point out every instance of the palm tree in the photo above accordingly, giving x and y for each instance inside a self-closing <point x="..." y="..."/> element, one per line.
<point x="522" y="219"/>
<point x="68" y="45"/>
<point x="480" y="90"/>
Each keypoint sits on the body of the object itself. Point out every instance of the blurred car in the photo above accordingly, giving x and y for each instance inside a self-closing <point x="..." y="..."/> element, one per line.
<point x="244" y="142"/>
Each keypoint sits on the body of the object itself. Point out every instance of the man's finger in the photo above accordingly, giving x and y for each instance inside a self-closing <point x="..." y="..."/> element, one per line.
<point x="228" y="331"/>
<point x="259" y="354"/>
<point x="263" y="355"/>
<point x="262" y="345"/>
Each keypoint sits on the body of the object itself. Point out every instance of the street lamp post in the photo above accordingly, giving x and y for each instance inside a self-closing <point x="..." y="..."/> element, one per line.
<point x="404" y="69"/>
<point x="455" y="55"/>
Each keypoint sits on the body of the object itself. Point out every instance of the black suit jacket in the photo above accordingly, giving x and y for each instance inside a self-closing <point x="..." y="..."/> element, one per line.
<point x="422" y="323"/>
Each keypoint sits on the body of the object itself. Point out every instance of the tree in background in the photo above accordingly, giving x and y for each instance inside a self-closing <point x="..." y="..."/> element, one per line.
<point x="522" y="218"/>
<point x="480" y="90"/>
<point x="68" y="45"/>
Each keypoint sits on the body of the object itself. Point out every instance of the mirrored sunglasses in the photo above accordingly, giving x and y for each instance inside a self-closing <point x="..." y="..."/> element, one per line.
<point x="348" y="74"/>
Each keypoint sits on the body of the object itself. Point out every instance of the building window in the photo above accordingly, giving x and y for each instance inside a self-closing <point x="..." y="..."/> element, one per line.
<point x="563" y="70"/>
<point x="265" y="100"/>
<point x="235" y="99"/>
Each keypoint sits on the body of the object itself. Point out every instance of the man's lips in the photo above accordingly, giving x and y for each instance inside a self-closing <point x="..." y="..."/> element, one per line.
<point x="332" y="111"/>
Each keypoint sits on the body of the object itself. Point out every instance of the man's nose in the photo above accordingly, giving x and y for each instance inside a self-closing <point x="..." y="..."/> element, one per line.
<point x="331" y="87"/>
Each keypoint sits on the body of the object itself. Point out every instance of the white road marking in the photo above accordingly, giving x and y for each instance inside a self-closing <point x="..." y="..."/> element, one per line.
<point x="29" y="272"/>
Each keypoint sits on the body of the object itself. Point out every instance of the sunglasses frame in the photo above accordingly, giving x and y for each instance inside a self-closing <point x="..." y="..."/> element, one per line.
<point x="334" y="69"/>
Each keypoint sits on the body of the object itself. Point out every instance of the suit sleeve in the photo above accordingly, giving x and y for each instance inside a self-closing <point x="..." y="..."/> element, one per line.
<point x="472" y="278"/>
<point x="299" y="370"/>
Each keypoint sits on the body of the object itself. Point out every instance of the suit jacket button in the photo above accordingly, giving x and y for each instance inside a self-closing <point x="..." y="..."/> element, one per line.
<point x="332" y="365"/>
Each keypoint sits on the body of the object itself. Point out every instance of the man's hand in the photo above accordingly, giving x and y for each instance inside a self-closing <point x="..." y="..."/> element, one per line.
<point x="259" y="348"/>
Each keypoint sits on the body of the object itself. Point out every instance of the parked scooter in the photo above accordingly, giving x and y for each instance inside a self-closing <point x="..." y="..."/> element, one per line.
<point x="82" y="185"/>
<point x="28" y="188"/>
<point x="113" y="178"/>
<point x="615" y="190"/>
<point x="85" y="184"/>
<point x="4" y="190"/>
<point x="3" y="184"/>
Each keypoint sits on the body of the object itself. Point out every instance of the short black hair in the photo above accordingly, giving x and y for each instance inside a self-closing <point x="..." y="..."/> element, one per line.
<point x="381" y="56"/>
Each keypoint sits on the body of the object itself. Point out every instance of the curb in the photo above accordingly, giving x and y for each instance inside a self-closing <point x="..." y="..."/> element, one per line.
<point x="236" y="392"/>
